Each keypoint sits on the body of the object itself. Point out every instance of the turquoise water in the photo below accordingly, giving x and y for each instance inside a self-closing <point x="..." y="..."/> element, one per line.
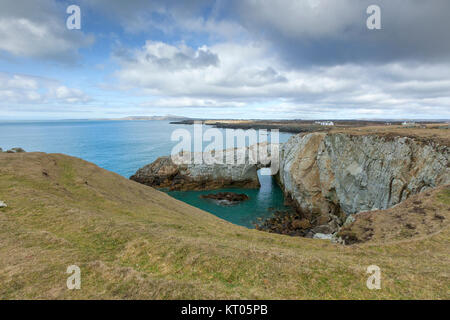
<point x="125" y="146"/>
<point x="261" y="203"/>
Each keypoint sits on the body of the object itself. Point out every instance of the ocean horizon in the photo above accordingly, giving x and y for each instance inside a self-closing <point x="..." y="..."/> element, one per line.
<point x="124" y="146"/>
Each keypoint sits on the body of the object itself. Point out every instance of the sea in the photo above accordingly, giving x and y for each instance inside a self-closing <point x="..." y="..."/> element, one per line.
<point x="125" y="146"/>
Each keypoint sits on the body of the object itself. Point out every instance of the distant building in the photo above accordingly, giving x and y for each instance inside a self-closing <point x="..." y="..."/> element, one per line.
<point x="325" y="123"/>
<point x="408" y="123"/>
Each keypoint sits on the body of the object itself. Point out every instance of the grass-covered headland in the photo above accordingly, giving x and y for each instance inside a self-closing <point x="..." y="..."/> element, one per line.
<point x="134" y="242"/>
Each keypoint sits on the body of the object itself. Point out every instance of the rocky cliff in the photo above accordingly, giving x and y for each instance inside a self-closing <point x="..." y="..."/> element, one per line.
<point x="164" y="173"/>
<point x="326" y="176"/>
<point x="329" y="176"/>
<point x="207" y="171"/>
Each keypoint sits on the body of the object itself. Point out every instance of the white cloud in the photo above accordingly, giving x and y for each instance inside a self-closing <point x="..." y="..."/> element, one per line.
<point x="25" y="89"/>
<point x="247" y="75"/>
<point x="68" y="95"/>
<point x="319" y="32"/>
<point x="186" y="102"/>
<point x="222" y="70"/>
<point x="37" y="29"/>
<point x="279" y="58"/>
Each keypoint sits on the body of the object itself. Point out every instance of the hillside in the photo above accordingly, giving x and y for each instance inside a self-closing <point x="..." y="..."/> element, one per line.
<point x="134" y="242"/>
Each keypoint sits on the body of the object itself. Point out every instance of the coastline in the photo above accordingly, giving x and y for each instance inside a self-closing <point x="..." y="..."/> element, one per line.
<point x="134" y="242"/>
<point x="296" y="126"/>
<point x="327" y="177"/>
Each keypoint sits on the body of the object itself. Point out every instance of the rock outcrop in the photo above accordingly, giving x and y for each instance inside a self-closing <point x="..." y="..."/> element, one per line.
<point x="326" y="176"/>
<point x="184" y="172"/>
<point x="13" y="150"/>
<point x="329" y="176"/>
<point x="164" y="173"/>
<point x="226" y="198"/>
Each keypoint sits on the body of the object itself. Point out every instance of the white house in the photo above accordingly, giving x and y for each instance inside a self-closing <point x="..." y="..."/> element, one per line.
<point x="325" y="123"/>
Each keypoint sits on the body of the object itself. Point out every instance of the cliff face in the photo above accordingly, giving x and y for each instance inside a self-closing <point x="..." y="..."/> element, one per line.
<point x="211" y="172"/>
<point x="329" y="176"/>
<point x="164" y="173"/>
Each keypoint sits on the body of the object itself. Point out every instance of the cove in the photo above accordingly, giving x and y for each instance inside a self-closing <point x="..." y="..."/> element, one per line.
<point x="262" y="204"/>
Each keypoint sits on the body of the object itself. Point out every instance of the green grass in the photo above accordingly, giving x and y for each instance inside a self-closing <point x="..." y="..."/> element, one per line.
<point x="133" y="242"/>
<point x="444" y="196"/>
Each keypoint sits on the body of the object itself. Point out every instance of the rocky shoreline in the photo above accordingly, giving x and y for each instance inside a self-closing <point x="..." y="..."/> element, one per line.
<point x="326" y="177"/>
<point x="289" y="126"/>
<point x="287" y="223"/>
<point x="295" y="224"/>
<point x="164" y="173"/>
<point x="182" y="172"/>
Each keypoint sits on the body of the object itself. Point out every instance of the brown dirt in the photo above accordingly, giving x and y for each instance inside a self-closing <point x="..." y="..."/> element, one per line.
<point x="419" y="216"/>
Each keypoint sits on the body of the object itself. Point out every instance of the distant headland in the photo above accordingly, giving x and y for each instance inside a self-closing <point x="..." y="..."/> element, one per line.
<point x="145" y="118"/>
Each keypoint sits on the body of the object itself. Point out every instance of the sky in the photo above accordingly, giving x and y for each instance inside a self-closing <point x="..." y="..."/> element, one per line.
<point x="274" y="59"/>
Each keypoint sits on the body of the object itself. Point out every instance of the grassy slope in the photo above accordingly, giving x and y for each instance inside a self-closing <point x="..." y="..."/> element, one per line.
<point x="132" y="241"/>
<point x="419" y="216"/>
<point x="431" y="132"/>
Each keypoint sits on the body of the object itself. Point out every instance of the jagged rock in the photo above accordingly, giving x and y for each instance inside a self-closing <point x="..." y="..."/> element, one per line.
<point x="326" y="176"/>
<point x="286" y="222"/>
<point x="226" y="198"/>
<point x="309" y="234"/>
<point x="183" y="172"/>
<point x="164" y="173"/>
<point x="337" y="174"/>
<point x="337" y="239"/>
<point x="323" y="236"/>
<point x="2" y="204"/>
<point x="350" y="219"/>
<point x="301" y="224"/>
<point x="15" y="150"/>
<point x="324" y="229"/>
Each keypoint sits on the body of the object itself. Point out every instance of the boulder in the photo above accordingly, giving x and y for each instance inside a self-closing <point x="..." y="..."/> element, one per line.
<point x="301" y="224"/>
<point x="323" y="236"/>
<point x="226" y="198"/>
<point x="2" y="204"/>
<point x="15" y="150"/>
<point x="350" y="219"/>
